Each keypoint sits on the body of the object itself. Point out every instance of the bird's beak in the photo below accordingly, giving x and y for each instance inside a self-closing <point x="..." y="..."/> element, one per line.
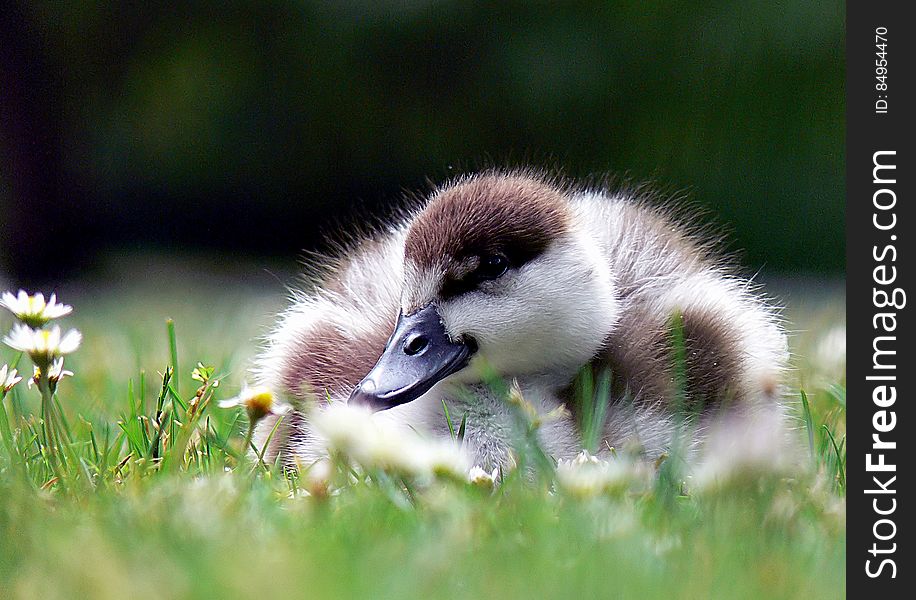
<point x="418" y="355"/>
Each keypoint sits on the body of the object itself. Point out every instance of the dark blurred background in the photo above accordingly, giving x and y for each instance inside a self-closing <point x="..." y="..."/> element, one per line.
<point x="247" y="128"/>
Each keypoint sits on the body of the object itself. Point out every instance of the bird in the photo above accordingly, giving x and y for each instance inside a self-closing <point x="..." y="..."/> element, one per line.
<point x="535" y="280"/>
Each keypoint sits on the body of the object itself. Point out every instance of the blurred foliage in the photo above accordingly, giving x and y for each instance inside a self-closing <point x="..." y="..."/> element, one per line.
<point x="248" y="125"/>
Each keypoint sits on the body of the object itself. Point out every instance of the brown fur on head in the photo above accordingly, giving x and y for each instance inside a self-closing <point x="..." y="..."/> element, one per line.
<point x="515" y="215"/>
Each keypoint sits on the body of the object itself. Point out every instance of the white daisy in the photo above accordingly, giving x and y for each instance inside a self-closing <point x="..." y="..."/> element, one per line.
<point x="258" y="401"/>
<point x="318" y="478"/>
<point x="43" y="345"/>
<point x="743" y="448"/>
<point x="829" y="355"/>
<point x="8" y="378"/>
<point x="587" y="476"/>
<point x="480" y="478"/>
<point x="33" y="310"/>
<point x="443" y="457"/>
<point x="376" y="443"/>
<point x="55" y="373"/>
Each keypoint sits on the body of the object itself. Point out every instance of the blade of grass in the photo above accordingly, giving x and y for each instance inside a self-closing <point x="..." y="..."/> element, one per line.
<point x="448" y="419"/>
<point x="173" y="349"/>
<point x="809" y="422"/>
<point x="840" y="462"/>
<point x="142" y="393"/>
<point x="463" y="428"/>
<point x="267" y="441"/>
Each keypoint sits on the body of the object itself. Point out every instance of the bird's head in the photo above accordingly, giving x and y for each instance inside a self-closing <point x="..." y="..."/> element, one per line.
<point x="498" y="273"/>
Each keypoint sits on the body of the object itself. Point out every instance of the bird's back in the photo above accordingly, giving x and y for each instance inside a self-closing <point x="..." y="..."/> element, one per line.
<point x="688" y="329"/>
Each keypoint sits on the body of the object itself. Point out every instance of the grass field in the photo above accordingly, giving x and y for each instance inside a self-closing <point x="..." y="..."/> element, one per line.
<point x="119" y="512"/>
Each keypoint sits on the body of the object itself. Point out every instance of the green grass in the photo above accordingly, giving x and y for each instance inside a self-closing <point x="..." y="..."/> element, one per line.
<point x="129" y="511"/>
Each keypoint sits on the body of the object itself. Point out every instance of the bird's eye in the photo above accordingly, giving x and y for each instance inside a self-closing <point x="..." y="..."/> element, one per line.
<point x="491" y="266"/>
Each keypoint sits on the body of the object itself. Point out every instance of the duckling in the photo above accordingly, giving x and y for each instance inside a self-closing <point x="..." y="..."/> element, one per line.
<point x="532" y="279"/>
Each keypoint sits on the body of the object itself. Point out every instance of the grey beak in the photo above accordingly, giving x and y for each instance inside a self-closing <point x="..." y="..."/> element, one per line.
<point x="418" y="355"/>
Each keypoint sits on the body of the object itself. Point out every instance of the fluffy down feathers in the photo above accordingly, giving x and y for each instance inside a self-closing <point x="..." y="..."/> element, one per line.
<point x="598" y="279"/>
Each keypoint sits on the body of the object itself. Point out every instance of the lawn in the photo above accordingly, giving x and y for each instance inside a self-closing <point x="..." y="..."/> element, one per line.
<point x="121" y="510"/>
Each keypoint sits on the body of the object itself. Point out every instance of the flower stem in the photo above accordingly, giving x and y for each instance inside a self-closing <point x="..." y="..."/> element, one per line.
<point x="44" y="386"/>
<point x="248" y="437"/>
